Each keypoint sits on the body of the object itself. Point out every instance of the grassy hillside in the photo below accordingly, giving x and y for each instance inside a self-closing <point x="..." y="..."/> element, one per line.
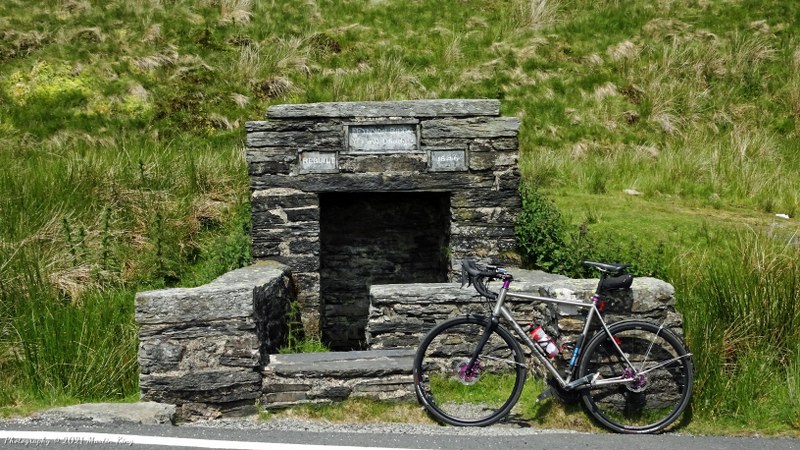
<point x="121" y="148"/>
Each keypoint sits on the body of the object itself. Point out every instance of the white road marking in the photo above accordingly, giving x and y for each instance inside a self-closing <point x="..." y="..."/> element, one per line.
<point x="45" y="437"/>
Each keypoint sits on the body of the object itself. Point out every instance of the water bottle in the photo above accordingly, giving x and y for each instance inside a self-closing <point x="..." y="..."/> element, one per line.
<point x="550" y="348"/>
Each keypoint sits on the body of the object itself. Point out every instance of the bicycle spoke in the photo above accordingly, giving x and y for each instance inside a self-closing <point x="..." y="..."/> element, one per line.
<point x="665" y="363"/>
<point x="648" y="400"/>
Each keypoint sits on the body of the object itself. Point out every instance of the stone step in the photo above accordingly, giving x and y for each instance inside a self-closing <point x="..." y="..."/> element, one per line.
<point x="302" y="378"/>
<point x="370" y="363"/>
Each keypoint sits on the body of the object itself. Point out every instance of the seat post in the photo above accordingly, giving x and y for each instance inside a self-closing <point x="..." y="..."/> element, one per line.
<point x="603" y="276"/>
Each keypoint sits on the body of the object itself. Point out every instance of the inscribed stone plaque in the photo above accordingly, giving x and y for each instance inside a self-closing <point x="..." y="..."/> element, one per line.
<point x="318" y="162"/>
<point x="382" y="138"/>
<point x="448" y="160"/>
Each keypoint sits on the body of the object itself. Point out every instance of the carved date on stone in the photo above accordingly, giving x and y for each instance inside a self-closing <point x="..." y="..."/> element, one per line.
<point x="448" y="160"/>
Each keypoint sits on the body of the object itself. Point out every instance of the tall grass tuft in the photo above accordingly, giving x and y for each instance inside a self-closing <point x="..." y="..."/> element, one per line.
<point x="57" y="349"/>
<point x="742" y="309"/>
<point x="236" y="11"/>
<point x="537" y="13"/>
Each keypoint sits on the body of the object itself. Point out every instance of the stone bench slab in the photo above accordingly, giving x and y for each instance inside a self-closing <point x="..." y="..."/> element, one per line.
<point x="342" y="364"/>
<point x="314" y="378"/>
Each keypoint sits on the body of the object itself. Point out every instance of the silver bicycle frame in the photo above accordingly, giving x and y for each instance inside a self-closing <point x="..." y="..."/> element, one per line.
<point x="501" y="311"/>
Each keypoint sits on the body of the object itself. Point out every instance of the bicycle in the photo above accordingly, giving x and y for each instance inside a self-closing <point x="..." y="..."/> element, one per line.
<point x="633" y="376"/>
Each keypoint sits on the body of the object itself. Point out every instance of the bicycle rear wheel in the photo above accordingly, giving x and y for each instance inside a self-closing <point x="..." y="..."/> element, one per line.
<point x="660" y="376"/>
<point x="459" y="393"/>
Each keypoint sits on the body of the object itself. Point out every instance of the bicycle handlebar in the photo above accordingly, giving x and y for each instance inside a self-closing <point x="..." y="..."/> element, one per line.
<point x="613" y="276"/>
<point x="472" y="275"/>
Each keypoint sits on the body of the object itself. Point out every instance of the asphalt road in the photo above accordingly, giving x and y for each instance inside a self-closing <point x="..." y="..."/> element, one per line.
<point x="307" y="435"/>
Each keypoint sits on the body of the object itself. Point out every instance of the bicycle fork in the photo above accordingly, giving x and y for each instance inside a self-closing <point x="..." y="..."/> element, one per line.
<point x="494" y="322"/>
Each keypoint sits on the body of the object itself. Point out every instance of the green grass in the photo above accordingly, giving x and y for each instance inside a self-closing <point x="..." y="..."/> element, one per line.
<point x="355" y="410"/>
<point x="492" y="389"/>
<point x="121" y="146"/>
<point x="743" y="314"/>
<point x="311" y="344"/>
<point x="82" y="233"/>
<point x="63" y="350"/>
<point x="736" y="278"/>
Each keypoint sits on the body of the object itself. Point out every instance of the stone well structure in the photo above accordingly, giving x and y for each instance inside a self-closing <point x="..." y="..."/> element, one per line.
<point x="348" y="195"/>
<point x="361" y="213"/>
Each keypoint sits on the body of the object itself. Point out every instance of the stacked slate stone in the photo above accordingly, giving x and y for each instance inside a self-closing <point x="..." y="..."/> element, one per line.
<point x="313" y="378"/>
<point x="462" y="148"/>
<point x="203" y="348"/>
<point x="401" y="315"/>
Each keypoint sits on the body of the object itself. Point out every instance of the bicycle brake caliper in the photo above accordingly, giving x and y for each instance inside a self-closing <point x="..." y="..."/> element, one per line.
<point x="468" y="374"/>
<point x="638" y="382"/>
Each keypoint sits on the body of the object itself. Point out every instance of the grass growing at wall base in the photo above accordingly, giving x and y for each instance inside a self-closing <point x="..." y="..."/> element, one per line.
<point x="61" y="350"/>
<point x="547" y="414"/>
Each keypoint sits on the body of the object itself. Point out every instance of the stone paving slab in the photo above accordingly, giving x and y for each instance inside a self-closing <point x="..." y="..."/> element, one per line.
<point x="143" y="413"/>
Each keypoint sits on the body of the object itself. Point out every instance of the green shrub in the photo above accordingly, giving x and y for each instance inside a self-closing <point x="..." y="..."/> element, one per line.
<point x="549" y="243"/>
<point x="541" y="233"/>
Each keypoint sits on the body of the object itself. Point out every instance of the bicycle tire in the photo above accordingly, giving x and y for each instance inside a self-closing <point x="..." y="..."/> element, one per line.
<point x="453" y="394"/>
<point x="649" y="403"/>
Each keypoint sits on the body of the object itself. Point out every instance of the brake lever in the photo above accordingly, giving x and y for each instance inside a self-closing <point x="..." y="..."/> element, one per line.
<point x="466" y="280"/>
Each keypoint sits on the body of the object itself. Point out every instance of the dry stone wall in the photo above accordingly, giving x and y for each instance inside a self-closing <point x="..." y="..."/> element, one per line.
<point x="401" y="315"/>
<point x="202" y="348"/>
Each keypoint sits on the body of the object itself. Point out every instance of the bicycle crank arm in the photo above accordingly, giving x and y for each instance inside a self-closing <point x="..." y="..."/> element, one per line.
<point x="588" y="380"/>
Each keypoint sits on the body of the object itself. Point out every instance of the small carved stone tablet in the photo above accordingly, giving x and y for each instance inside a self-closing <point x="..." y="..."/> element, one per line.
<point x="382" y="138"/>
<point x="448" y="160"/>
<point x="319" y="162"/>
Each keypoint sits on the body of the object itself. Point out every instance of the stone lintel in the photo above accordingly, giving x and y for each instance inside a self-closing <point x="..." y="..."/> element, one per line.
<point x="407" y="108"/>
<point x="387" y="182"/>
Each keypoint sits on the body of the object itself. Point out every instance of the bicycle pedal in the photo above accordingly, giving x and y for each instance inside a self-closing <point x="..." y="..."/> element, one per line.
<point x="545" y="394"/>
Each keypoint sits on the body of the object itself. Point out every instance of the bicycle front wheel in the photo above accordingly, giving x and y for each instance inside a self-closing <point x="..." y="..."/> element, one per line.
<point x="463" y="383"/>
<point x="660" y="377"/>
